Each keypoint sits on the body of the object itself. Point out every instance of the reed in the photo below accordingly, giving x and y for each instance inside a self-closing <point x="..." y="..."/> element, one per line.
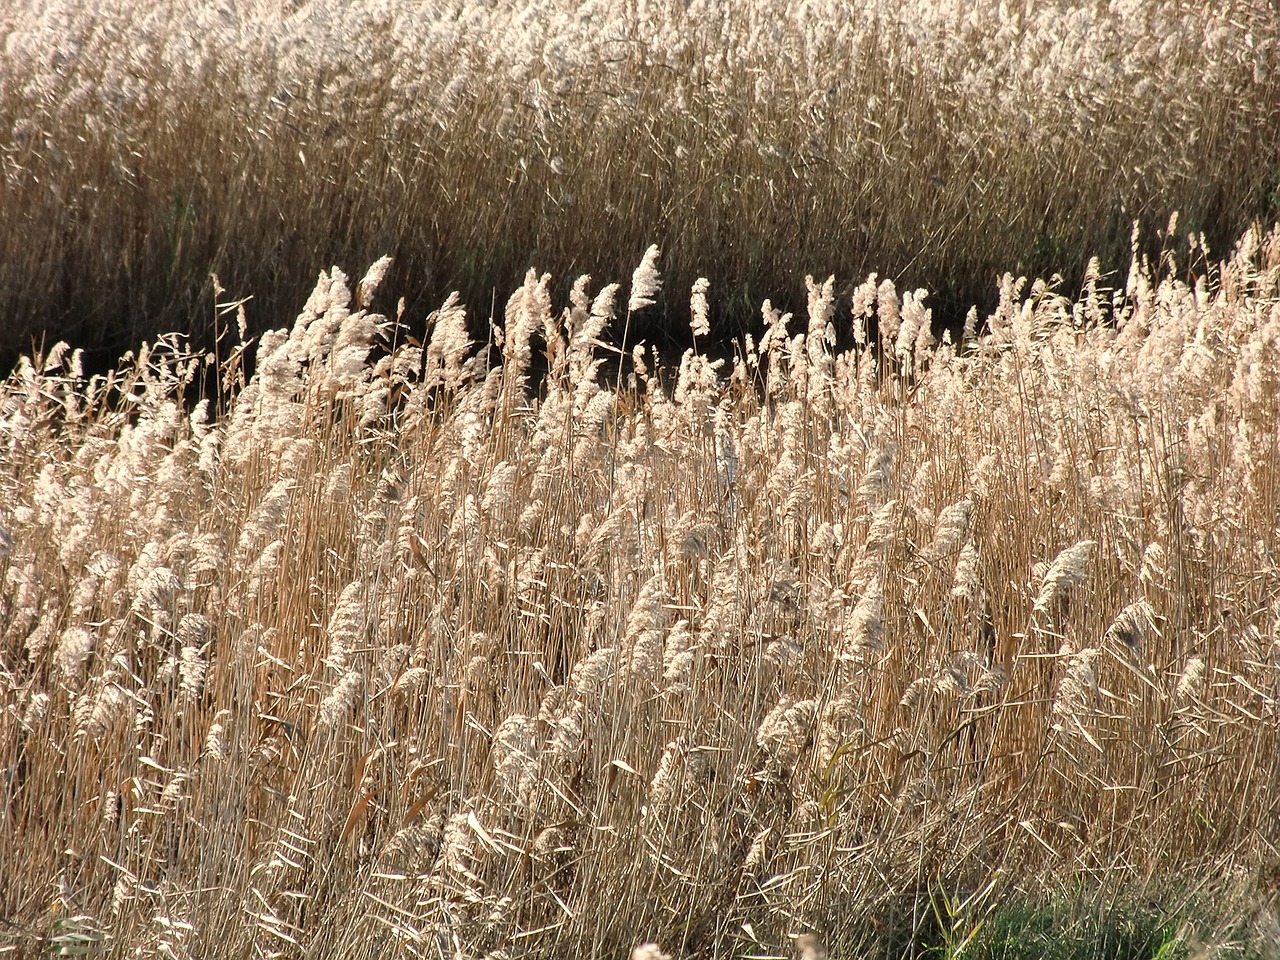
<point x="398" y="650"/>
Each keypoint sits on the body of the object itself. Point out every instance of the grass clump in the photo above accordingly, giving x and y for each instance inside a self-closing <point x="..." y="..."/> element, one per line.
<point x="397" y="649"/>
<point x="146" y="145"/>
<point x="1150" y="921"/>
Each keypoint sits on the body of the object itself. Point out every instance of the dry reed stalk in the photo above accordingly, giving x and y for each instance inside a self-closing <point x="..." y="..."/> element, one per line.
<point x="480" y="668"/>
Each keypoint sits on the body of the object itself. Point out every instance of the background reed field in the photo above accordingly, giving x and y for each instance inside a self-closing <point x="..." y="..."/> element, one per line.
<point x="146" y="145"/>
<point x="386" y="652"/>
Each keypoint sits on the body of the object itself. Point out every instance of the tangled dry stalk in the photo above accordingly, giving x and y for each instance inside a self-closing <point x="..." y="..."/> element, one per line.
<point x="395" y="650"/>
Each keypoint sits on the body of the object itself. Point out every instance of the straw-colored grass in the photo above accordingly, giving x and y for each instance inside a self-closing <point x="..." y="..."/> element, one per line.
<point x="147" y="143"/>
<point x="395" y="653"/>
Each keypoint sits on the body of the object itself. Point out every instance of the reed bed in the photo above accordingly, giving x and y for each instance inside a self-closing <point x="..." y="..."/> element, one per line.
<point x="146" y="144"/>
<point x="396" y="648"/>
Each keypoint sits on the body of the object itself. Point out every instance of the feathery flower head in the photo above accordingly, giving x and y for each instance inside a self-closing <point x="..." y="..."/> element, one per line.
<point x="699" y="323"/>
<point x="1067" y="570"/>
<point x="645" y="282"/>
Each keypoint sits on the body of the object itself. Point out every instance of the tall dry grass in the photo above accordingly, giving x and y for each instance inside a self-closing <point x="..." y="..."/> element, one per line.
<point x="401" y="652"/>
<point x="148" y="144"/>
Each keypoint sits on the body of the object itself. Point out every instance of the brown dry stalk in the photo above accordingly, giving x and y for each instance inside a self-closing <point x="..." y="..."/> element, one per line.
<point x="374" y="658"/>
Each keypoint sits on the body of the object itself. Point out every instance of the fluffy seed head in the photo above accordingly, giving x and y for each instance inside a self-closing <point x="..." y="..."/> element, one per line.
<point x="1067" y="570"/>
<point x="645" y="281"/>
